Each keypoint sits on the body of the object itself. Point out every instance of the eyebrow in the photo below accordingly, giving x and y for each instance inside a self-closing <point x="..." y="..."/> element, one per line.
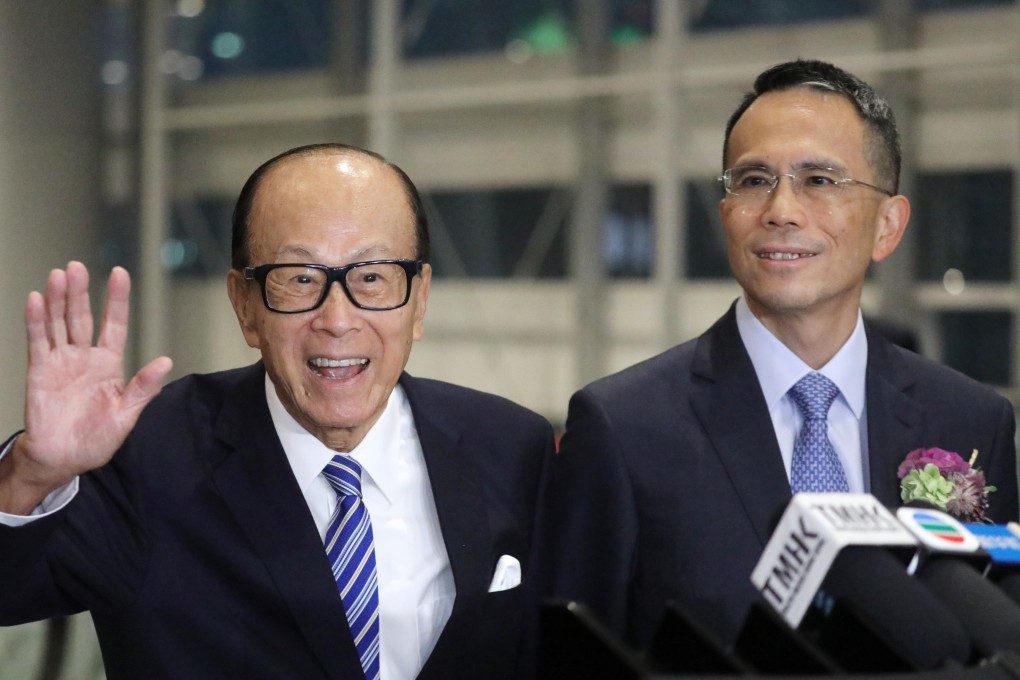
<point x="816" y="162"/>
<point x="819" y="163"/>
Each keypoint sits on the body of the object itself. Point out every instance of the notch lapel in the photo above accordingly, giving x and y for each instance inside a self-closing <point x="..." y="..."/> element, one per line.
<point x="463" y="520"/>
<point x="894" y="418"/>
<point x="728" y="402"/>
<point x="258" y="486"/>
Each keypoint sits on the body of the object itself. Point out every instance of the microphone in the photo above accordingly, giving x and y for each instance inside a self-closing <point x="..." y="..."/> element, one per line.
<point x="1002" y="543"/>
<point x="835" y="569"/>
<point x="951" y="563"/>
<point x="768" y="644"/>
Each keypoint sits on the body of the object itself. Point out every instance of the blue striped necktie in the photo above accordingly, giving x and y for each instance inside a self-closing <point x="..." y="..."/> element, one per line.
<point x="815" y="465"/>
<point x="351" y="550"/>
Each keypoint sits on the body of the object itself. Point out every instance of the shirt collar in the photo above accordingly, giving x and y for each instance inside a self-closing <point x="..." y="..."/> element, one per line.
<point x="779" y="369"/>
<point x="379" y="453"/>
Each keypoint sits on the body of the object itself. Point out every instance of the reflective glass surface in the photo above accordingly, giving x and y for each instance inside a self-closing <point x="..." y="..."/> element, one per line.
<point x="978" y="344"/>
<point x="493" y="233"/>
<point x="706" y="241"/>
<point x="207" y="39"/>
<point x="964" y="225"/>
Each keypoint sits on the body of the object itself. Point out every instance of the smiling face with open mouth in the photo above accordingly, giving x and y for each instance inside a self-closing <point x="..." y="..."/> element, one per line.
<point x="797" y="255"/>
<point x="335" y="366"/>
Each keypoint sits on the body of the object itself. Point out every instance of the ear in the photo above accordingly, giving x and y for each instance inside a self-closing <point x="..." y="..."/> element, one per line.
<point x="421" y="300"/>
<point x="243" y="296"/>
<point x="892" y="218"/>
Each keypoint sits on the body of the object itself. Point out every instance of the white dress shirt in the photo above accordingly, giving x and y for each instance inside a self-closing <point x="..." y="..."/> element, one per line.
<point x="779" y="369"/>
<point x="416" y="589"/>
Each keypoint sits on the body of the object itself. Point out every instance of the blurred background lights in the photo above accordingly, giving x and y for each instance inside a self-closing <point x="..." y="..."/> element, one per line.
<point x="227" y="45"/>
<point x="114" y="72"/>
<point x="190" y="68"/>
<point x="953" y="281"/>
<point x="178" y="253"/>
<point x="518" y="51"/>
<point x="170" y="62"/>
<point x="190" y="8"/>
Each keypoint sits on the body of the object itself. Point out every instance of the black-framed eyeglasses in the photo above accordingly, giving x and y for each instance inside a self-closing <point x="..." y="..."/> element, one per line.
<point x="377" y="285"/>
<point x="755" y="182"/>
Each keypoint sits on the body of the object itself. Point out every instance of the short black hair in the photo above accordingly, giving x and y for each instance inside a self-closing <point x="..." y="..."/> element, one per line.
<point x="239" y="239"/>
<point x="882" y="139"/>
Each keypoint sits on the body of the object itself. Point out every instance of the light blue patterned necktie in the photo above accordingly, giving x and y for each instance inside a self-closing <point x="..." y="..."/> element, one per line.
<point x="351" y="550"/>
<point x="815" y="466"/>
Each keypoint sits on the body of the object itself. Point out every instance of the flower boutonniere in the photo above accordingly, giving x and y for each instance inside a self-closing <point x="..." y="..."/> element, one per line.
<point x="947" y="481"/>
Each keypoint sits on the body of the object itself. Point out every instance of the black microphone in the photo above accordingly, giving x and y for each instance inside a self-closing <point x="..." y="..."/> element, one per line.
<point x="835" y="569"/>
<point x="951" y="562"/>
<point x="768" y="644"/>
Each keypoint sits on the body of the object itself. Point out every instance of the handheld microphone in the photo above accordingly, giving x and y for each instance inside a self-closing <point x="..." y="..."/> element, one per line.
<point x="835" y="556"/>
<point x="951" y="563"/>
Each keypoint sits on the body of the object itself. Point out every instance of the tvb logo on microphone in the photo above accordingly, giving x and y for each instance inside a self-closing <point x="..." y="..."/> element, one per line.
<point x="938" y="530"/>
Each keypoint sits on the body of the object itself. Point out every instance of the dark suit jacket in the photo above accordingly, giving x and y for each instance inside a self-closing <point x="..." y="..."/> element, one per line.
<point x="669" y="479"/>
<point x="198" y="558"/>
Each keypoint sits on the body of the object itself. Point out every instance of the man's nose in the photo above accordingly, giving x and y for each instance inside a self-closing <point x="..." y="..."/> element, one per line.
<point x="783" y="206"/>
<point x="336" y="312"/>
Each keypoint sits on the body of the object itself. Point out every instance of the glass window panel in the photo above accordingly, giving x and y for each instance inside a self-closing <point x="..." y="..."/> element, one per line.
<point x="240" y="37"/>
<point x="706" y="241"/>
<point x="118" y="32"/>
<point x="520" y="28"/>
<point x="978" y="344"/>
<point x="725" y="14"/>
<point x="628" y="236"/>
<point x="925" y="5"/>
<point x="120" y="237"/>
<point x="199" y="239"/>
<point x="964" y="223"/>
<point x="489" y="233"/>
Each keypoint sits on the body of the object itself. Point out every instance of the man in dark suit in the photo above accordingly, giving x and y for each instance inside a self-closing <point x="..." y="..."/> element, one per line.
<point x="673" y="473"/>
<point x="193" y="527"/>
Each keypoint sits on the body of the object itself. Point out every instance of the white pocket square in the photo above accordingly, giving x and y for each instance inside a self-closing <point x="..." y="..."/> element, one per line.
<point x="507" y="574"/>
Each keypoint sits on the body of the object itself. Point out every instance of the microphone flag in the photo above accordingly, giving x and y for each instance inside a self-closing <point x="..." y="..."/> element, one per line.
<point x="813" y="530"/>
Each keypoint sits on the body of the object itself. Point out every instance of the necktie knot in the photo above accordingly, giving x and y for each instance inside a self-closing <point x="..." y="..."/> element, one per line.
<point x="815" y="465"/>
<point x="344" y="474"/>
<point x="814" y="394"/>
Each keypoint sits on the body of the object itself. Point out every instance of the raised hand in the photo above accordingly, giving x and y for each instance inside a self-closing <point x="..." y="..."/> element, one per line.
<point x="78" y="410"/>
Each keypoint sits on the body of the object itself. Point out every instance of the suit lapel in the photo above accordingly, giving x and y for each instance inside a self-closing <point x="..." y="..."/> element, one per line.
<point x="258" y="486"/>
<point x="462" y="519"/>
<point x="729" y="403"/>
<point x="893" y="417"/>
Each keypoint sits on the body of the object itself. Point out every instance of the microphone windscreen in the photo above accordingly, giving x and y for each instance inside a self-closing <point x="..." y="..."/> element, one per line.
<point x="991" y="619"/>
<point x="769" y="645"/>
<point x="899" y="610"/>
<point x="1010" y="584"/>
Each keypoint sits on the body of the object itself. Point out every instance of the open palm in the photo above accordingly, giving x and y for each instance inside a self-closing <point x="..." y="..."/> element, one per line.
<point x="78" y="409"/>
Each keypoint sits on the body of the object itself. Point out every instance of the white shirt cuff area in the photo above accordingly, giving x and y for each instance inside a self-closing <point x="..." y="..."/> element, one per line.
<point x="54" y="502"/>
